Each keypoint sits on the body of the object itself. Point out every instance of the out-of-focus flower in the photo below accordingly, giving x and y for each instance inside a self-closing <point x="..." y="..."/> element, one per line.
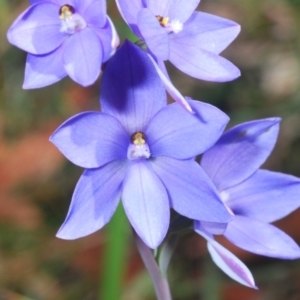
<point x="192" y="41"/>
<point x="63" y="37"/>
<point x="140" y="150"/>
<point x="254" y="197"/>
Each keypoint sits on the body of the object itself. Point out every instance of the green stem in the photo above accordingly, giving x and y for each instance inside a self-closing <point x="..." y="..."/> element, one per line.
<point x="114" y="259"/>
<point x="166" y="253"/>
<point x="160" y="282"/>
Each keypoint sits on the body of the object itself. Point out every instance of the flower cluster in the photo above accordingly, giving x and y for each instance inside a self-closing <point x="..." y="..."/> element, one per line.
<point x="254" y="197"/>
<point x="141" y="150"/>
<point x="63" y="38"/>
<point x="135" y="149"/>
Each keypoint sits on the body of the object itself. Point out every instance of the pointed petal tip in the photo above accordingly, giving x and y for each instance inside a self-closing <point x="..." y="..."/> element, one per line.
<point x="237" y="28"/>
<point x="203" y="64"/>
<point x="26" y="87"/>
<point x="68" y="236"/>
<point x="87" y="81"/>
<point x="293" y="254"/>
<point x="115" y="41"/>
<point x="141" y="190"/>
<point x="262" y="238"/>
<point x="9" y="36"/>
<point x="274" y="120"/>
<point x="198" y="109"/>
<point x="61" y="235"/>
<point x="195" y="107"/>
<point x="230" y="264"/>
<point x="186" y="105"/>
<point x="151" y="241"/>
<point x="170" y="88"/>
<point x="152" y="244"/>
<point x="52" y="136"/>
<point x="266" y="125"/>
<point x="234" y="74"/>
<point x="227" y="261"/>
<point x="86" y="84"/>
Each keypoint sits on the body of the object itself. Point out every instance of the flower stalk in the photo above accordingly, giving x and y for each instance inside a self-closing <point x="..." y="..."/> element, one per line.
<point x="160" y="282"/>
<point x="114" y="259"/>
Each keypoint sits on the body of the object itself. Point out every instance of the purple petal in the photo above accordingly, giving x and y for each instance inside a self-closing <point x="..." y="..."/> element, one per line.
<point x="209" y="32"/>
<point x="94" y="201"/>
<point x="146" y="204"/>
<point x="129" y="10"/>
<point x="261" y="238"/>
<point x="63" y="2"/>
<point x="240" y="152"/>
<point x="159" y="8"/>
<point x="181" y="10"/>
<point x="228" y="262"/>
<point x="174" y="93"/>
<point x="95" y="13"/>
<point x="265" y="196"/>
<point x="109" y="39"/>
<point x="115" y="42"/>
<point x="202" y="64"/>
<point x="37" y="30"/>
<point x="214" y="228"/>
<point x="139" y="94"/>
<point x="91" y="139"/>
<point x="43" y="70"/>
<point x="57" y="2"/>
<point x="83" y="57"/>
<point x="198" y="199"/>
<point x="194" y="134"/>
<point x="161" y="65"/>
<point x="154" y="34"/>
<point x="82" y="5"/>
<point x="39" y="1"/>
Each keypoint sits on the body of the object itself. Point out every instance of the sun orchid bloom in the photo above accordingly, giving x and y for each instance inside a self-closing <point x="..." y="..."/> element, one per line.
<point x="254" y="197"/>
<point x="63" y="37"/>
<point x="140" y="150"/>
<point x="191" y="41"/>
